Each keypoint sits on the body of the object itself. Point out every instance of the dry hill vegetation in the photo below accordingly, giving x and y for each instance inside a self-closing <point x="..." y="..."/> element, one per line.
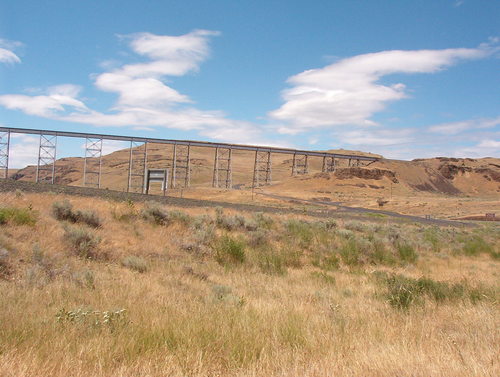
<point x="91" y="287"/>
<point x="441" y="187"/>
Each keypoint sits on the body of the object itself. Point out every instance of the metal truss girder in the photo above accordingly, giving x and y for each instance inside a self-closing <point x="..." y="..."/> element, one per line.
<point x="181" y="166"/>
<point x="185" y="142"/>
<point x="329" y="164"/>
<point x="262" y="168"/>
<point x="223" y="175"/>
<point x="137" y="165"/>
<point x="92" y="165"/>
<point x="300" y="164"/>
<point x="46" y="158"/>
<point x="4" y="153"/>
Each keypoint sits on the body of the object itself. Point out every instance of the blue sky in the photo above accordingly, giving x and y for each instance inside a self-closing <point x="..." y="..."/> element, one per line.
<point x="406" y="79"/>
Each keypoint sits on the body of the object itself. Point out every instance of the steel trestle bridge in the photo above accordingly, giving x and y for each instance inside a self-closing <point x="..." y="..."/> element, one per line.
<point x="180" y="172"/>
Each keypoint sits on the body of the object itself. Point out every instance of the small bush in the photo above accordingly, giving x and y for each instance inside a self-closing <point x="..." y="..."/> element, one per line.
<point x="135" y="263"/>
<point x="406" y="253"/>
<point x="301" y="230"/>
<point x="229" y="222"/>
<point x="127" y="214"/>
<point x="477" y="245"/>
<point x="402" y="291"/>
<point x="229" y="251"/>
<point x="263" y="221"/>
<point x="181" y="217"/>
<point x="258" y="238"/>
<point x="381" y="255"/>
<point x="272" y="262"/>
<point x="83" y="242"/>
<point x="154" y="213"/>
<point x="17" y="216"/>
<point x="63" y="211"/>
<point x="5" y="266"/>
<point x="350" y="253"/>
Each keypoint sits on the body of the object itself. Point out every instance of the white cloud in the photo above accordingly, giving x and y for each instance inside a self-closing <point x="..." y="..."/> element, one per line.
<point x="144" y="100"/>
<point x="377" y="137"/>
<point x="348" y="92"/>
<point x="23" y="150"/>
<point x="455" y="128"/>
<point x="7" y="54"/>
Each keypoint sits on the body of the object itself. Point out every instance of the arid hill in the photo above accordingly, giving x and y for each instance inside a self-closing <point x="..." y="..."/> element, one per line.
<point x="437" y="175"/>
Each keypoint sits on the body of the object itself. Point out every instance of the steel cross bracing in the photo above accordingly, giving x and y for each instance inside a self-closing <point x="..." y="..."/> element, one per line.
<point x="45" y="169"/>
<point x="300" y="164"/>
<point x="4" y="153"/>
<point x="223" y="168"/>
<point x="92" y="164"/>
<point x="185" y="142"/>
<point x="262" y="168"/>
<point x="328" y="164"/>
<point x="181" y="166"/>
<point x="137" y="165"/>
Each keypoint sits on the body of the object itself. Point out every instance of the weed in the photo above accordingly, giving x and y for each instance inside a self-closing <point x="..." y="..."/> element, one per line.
<point x="5" y="266"/>
<point x="301" y="230"/>
<point x="477" y="245"/>
<point x="154" y="213"/>
<point x="181" y="217"/>
<point x="350" y="253"/>
<point x="95" y="318"/>
<point x="258" y="238"/>
<point x="135" y="263"/>
<point x="63" y="211"/>
<point x="402" y="291"/>
<point x="83" y="242"/>
<point x="229" y="251"/>
<point x="222" y="293"/>
<point x="381" y="255"/>
<point x="17" y="216"/>
<point x="323" y="276"/>
<point x="263" y="221"/>
<point x="84" y="278"/>
<point x="406" y="253"/>
<point x="272" y="262"/>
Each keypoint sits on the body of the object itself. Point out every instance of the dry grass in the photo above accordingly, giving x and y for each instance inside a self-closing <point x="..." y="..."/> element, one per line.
<point x="186" y="314"/>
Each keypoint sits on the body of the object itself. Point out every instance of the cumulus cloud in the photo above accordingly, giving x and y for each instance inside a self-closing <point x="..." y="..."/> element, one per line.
<point x="144" y="99"/>
<point x="349" y="91"/>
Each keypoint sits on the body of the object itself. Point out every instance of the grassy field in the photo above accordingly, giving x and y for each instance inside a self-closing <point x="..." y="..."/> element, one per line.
<point x="90" y="287"/>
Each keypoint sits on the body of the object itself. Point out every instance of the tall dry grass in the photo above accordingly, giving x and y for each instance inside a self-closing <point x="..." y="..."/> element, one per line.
<point x="191" y="313"/>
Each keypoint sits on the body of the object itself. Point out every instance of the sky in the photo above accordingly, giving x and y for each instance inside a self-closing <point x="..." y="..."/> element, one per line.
<point x="405" y="79"/>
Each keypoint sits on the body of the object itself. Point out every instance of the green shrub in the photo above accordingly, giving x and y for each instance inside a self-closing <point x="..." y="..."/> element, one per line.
<point x="17" y="216"/>
<point x="154" y="213"/>
<point x="83" y="242"/>
<point x="350" y="253"/>
<point x="402" y="291"/>
<point x="63" y="211"/>
<point x="229" y="222"/>
<point x="406" y="252"/>
<point x="381" y="255"/>
<point x="300" y="230"/>
<point x="258" y="238"/>
<point x="135" y="263"/>
<point x="180" y="217"/>
<point x="229" y="251"/>
<point x="477" y="245"/>
<point x="272" y="262"/>
<point x="263" y="221"/>
<point x="326" y="261"/>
